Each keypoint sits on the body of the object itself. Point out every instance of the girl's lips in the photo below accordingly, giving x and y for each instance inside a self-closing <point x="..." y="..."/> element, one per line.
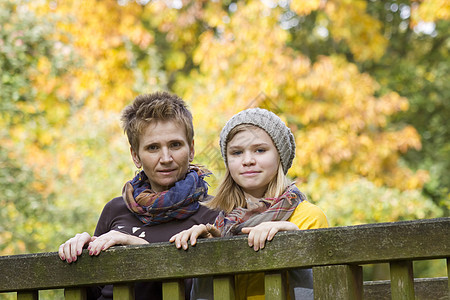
<point x="250" y="173"/>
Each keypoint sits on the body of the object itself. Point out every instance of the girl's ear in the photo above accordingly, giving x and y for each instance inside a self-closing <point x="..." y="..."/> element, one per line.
<point x="191" y="151"/>
<point x="136" y="159"/>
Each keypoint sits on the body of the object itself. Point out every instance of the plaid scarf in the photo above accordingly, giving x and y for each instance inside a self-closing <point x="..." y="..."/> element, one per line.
<point x="179" y="202"/>
<point x="268" y="209"/>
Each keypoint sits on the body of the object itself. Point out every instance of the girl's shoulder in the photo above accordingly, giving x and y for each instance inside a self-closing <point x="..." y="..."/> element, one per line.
<point x="308" y="216"/>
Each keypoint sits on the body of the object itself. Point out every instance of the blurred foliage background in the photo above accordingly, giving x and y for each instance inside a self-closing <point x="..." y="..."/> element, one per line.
<point x="364" y="86"/>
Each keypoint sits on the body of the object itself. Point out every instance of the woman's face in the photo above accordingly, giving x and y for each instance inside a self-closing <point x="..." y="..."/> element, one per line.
<point x="164" y="154"/>
<point x="252" y="160"/>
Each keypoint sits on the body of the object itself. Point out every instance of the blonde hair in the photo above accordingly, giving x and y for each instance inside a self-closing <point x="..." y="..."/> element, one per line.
<point x="230" y="195"/>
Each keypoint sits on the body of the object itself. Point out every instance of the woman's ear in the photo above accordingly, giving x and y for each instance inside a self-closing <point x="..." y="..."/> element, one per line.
<point x="136" y="159"/>
<point x="191" y="151"/>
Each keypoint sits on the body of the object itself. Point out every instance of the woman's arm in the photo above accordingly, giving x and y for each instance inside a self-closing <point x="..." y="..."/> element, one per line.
<point x="112" y="238"/>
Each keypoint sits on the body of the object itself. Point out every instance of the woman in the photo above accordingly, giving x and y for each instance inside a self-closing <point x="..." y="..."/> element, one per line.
<point x="255" y="198"/>
<point x="162" y="199"/>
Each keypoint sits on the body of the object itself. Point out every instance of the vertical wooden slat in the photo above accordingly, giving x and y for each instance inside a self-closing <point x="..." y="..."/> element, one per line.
<point x="123" y="291"/>
<point x="28" y="295"/>
<point x="275" y="286"/>
<point x="448" y="276"/>
<point x="75" y="294"/>
<point x="224" y="288"/>
<point x="338" y="282"/>
<point x="173" y="290"/>
<point x="402" y="280"/>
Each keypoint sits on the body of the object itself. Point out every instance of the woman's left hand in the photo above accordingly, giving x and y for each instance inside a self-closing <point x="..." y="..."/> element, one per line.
<point x="258" y="235"/>
<point x="112" y="238"/>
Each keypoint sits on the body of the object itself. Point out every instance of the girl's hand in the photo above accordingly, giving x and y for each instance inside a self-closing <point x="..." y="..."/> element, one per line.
<point x="111" y="238"/>
<point x="258" y="235"/>
<point x="191" y="234"/>
<point x="72" y="248"/>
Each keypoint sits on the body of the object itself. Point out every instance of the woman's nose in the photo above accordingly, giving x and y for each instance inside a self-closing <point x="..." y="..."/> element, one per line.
<point x="166" y="155"/>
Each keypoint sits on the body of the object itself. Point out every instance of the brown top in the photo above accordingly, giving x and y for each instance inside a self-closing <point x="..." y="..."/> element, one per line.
<point x="116" y="216"/>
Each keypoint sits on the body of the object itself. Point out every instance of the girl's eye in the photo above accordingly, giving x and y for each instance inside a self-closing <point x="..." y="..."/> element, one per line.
<point x="176" y="144"/>
<point x="152" y="147"/>
<point x="260" y="150"/>
<point x="236" y="152"/>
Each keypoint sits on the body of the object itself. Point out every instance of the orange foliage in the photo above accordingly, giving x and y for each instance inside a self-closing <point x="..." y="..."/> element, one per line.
<point x="340" y="126"/>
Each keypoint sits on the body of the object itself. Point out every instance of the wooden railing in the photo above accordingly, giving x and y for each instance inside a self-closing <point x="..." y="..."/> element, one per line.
<point x="335" y="254"/>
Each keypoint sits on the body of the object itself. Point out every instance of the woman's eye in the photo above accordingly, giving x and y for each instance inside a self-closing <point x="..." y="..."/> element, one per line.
<point x="152" y="148"/>
<point x="176" y="144"/>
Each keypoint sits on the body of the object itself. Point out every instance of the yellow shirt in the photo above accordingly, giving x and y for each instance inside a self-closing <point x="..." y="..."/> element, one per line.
<point x="306" y="216"/>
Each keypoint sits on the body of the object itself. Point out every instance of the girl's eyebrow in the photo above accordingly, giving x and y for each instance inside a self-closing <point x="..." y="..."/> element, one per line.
<point x="260" y="144"/>
<point x="234" y="147"/>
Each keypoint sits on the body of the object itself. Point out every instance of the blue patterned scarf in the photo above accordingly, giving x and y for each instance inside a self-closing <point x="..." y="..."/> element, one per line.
<point x="179" y="202"/>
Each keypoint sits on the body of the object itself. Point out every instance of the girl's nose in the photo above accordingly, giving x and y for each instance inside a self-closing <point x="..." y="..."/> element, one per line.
<point x="248" y="159"/>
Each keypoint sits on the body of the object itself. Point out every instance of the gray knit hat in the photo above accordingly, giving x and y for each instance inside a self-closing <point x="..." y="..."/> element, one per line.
<point x="281" y="135"/>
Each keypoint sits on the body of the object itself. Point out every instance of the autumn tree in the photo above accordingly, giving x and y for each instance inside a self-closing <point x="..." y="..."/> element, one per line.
<point x="411" y="59"/>
<point x="28" y="211"/>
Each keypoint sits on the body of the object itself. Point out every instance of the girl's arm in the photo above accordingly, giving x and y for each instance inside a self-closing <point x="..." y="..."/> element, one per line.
<point x="258" y="235"/>
<point x="191" y="234"/>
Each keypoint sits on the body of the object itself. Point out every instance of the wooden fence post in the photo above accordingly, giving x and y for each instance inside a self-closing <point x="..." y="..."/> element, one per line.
<point x="224" y="288"/>
<point x="448" y="276"/>
<point x="123" y="291"/>
<point x="402" y="280"/>
<point x="28" y="295"/>
<point x="173" y="290"/>
<point x="338" y="282"/>
<point x="274" y="285"/>
<point x="75" y="294"/>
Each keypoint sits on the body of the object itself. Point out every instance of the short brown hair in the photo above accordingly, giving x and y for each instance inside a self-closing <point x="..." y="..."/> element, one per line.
<point x="158" y="106"/>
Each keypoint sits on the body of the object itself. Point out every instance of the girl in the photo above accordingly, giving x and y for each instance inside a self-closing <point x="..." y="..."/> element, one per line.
<point x="255" y="198"/>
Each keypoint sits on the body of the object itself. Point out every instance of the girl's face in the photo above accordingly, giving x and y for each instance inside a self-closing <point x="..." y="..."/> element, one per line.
<point x="252" y="160"/>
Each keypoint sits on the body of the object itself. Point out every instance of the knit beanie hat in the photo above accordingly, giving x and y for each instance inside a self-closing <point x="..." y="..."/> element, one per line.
<point x="281" y="135"/>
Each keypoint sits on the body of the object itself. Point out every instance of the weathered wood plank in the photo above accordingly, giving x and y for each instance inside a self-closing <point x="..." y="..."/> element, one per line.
<point x="338" y="282"/>
<point x="274" y="286"/>
<point x="424" y="289"/>
<point x="402" y="280"/>
<point x="173" y="290"/>
<point x="224" y="288"/>
<point x="75" y="294"/>
<point x="340" y="245"/>
<point x="123" y="291"/>
<point x="28" y="295"/>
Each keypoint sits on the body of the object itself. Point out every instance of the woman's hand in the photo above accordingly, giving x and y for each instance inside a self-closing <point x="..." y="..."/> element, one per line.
<point x="73" y="247"/>
<point x="258" y="235"/>
<point x="191" y="234"/>
<point x="111" y="238"/>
